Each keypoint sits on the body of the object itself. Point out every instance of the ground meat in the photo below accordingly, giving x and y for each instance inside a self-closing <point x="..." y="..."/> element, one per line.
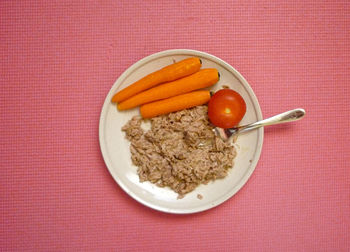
<point x="180" y="150"/>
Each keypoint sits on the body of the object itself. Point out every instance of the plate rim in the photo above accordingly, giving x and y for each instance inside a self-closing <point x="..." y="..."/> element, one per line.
<point x="217" y="60"/>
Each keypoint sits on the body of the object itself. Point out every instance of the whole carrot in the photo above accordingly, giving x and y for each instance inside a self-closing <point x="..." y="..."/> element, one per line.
<point x="175" y="103"/>
<point x="201" y="79"/>
<point x="169" y="73"/>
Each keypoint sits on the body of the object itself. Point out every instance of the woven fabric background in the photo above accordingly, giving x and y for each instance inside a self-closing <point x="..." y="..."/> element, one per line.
<point x="59" y="59"/>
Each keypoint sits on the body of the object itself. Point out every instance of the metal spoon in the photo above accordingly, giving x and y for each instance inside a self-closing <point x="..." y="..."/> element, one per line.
<point x="289" y="116"/>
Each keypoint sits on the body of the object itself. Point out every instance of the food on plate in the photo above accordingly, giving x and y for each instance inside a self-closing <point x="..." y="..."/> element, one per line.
<point x="201" y="79"/>
<point x="175" y="103"/>
<point x="226" y="108"/>
<point x="169" y="73"/>
<point x="179" y="151"/>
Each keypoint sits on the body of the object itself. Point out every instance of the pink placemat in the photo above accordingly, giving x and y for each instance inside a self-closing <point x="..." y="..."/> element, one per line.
<point x="59" y="59"/>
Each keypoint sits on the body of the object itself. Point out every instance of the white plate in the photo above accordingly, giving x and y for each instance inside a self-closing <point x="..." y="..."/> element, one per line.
<point x="115" y="148"/>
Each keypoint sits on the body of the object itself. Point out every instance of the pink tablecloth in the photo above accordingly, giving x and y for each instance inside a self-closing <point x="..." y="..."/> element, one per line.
<point x="59" y="59"/>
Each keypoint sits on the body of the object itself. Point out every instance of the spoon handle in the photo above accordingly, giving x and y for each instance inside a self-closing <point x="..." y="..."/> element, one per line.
<point x="289" y="116"/>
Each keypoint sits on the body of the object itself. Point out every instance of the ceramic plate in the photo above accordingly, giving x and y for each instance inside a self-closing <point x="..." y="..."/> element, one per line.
<point x="115" y="148"/>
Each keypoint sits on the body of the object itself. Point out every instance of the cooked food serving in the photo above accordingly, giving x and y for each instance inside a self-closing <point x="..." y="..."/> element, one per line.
<point x="179" y="151"/>
<point x="201" y="79"/>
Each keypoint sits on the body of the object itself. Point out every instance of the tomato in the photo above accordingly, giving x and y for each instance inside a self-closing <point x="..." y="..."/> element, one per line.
<point x="226" y="108"/>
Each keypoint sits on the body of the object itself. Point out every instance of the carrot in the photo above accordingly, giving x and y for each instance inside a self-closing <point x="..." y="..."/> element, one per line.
<point x="175" y="103"/>
<point x="169" y="73"/>
<point x="201" y="79"/>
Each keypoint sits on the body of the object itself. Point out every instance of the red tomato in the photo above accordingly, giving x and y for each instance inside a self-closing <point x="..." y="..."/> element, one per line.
<point x="226" y="108"/>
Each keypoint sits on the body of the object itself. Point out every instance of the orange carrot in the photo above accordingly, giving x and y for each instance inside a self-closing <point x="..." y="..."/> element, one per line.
<point x="175" y="103"/>
<point x="201" y="79"/>
<point x="169" y="73"/>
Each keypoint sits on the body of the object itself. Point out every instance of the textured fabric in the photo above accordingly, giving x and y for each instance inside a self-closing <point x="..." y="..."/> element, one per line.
<point x="58" y="60"/>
